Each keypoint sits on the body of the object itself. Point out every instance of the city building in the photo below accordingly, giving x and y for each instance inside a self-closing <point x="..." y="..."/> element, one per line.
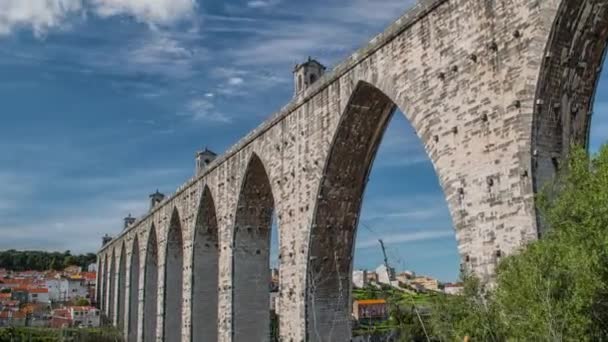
<point x="38" y="295"/>
<point x="85" y="316"/>
<point x="60" y="318"/>
<point x="426" y="283"/>
<point x="385" y="275"/>
<point x="72" y="269"/>
<point x="360" y="278"/>
<point x="370" y="309"/>
<point x="453" y="288"/>
<point x="405" y="276"/>
<point x="372" y="277"/>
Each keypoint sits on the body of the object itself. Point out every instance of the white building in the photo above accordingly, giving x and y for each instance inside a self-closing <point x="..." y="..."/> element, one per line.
<point x="65" y="289"/>
<point x="453" y="289"/>
<point x="360" y="278"/>
<point x="40" y="295"/>
<point x="92" y="268"/>
<point x="72" y="288"/>
<point x="385" y="275"/>
<point x="54" y="289"/>
<point x="86" y="316"/>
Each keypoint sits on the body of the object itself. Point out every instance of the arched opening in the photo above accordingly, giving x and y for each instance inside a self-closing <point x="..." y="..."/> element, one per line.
<point x="174" y="275"/>
<point x="300" y="85"/>
<point x="313" y="78"/>
<point x="103" y="284"/>
<point x="205" y="272"/>
<point x="567" y="85"/>
<point x="112" y="289"/>
<point x="98" y="281"/>
<point x="121" y="290"/>
<point x="599" y="121"/>
<point x="338" y="213"/>
<point x="275" y="333"/>
<point x="134" y="292"/>
<point x="251" y="273"/>
<point x="151" y="288"/>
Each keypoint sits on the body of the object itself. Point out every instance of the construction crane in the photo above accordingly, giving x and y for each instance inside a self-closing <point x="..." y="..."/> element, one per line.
<point x="391" y="275"/>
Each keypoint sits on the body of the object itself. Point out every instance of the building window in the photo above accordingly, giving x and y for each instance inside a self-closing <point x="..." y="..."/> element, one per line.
<point x="313" y="78"/>
<point x="299" y="82"/>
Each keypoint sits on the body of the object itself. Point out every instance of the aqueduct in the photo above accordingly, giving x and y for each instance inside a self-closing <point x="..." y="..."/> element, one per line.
<point x="497" y="90"/>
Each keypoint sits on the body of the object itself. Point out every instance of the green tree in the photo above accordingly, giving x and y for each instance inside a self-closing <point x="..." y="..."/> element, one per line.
<point x="81" y="302"/>
<point x="556" y="289"/>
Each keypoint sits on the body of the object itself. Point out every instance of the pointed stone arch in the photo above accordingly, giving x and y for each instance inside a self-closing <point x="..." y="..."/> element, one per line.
<point x="205" y="273"/>
<point x="103" y="283"/>
<point x="112" y="287"/>
<point x="133" y="298"/>
<point x="150" y="312"/>
<point x="336" y="215"/>
<point x="574" y="56"/>
<point x="121" y="290"/>
<point x="251" y="253"/>
<point x="174" y="280"/>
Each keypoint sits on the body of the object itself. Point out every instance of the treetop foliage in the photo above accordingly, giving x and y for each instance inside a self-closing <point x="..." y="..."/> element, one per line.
<point x="556" y="289"/>
<point x="42" y="261"/>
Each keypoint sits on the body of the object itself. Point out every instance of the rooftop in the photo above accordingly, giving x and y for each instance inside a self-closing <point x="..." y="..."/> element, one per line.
<point x="370" y="301"/>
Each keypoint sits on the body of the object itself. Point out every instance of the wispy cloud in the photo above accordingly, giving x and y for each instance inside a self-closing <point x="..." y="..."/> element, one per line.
<point x="41" y="16"/>
<point x="79" y="226"/>
<point x="151" y="12"/>
<point x="203" y="109"/>
<point x="262" y="3"/>
<point x="164" y="54"/>
<point x="393" y="239"/>
<point x="37" y="15"/>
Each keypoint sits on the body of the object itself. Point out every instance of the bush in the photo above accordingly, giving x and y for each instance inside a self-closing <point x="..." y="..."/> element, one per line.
<point x="557" y="288"/>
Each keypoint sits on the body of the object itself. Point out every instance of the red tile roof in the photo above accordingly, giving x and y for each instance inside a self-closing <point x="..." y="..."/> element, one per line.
<point x="39" y="290"/>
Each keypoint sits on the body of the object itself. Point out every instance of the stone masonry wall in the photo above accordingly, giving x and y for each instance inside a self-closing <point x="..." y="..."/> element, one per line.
<point x="467" y="75"/>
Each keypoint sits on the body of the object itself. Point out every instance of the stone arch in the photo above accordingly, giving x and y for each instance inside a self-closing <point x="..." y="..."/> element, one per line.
<point x="133" y="298"/>
<point x="336" y="215"/>
<point x="150" y="320"/>
<point x="98" y="281"/>
<point x="205" y="273"/>
<point x="174" y="280"/>
<point x="121" y="289"/>
<point x="112" y="287"/>
<point x="566" y="87"/>
<point x="250" y="260"/>
<point x="102" y="283"/>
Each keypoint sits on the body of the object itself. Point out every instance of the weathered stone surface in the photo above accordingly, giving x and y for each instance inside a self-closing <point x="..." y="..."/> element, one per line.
<point x="496" y="91"/>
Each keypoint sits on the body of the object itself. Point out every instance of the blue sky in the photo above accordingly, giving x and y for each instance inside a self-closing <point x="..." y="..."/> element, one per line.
<point x="104" y="101"/>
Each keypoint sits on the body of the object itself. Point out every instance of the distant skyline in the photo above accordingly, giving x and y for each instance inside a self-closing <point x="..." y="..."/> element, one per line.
<point x="105" y="101"/>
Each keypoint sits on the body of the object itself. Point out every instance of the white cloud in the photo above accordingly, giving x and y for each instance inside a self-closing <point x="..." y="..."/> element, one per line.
<point x="37" y="15"/>
<point x="40" y="16"/>
<point x="392" y="239"/>
<point x="234" y="81"/>
<point x="204" y="110"/>
<point x="152" y="12"/>
<point x="79" y="225"/>
<point x="329" y="32"/>
<point x="163" y="54"/>
<point x="262" y="3"/>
